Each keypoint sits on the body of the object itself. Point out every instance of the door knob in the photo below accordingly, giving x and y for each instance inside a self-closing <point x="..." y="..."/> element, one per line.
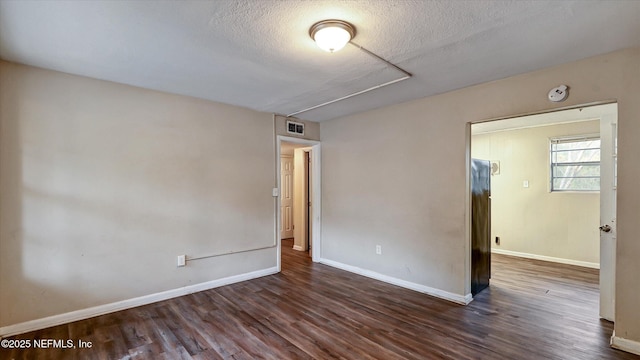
<point x="605" y="228"/>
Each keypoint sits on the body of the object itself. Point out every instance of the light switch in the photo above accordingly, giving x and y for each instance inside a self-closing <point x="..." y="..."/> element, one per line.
<point x="525" y="184"/>
<point x="274" y="192"/>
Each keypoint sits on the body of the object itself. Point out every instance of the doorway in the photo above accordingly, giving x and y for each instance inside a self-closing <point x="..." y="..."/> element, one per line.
<point x="298" y="210"/>
<point x="534" y="199"/>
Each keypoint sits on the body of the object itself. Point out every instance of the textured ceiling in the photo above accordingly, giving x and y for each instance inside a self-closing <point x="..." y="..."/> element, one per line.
<point x="257" y="53"/>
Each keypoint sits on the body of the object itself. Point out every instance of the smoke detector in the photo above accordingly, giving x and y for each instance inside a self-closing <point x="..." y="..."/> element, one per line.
<point x="559" y="93"/>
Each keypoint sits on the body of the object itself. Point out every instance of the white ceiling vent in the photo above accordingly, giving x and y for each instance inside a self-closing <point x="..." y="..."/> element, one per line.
<point x="295" y="128"/>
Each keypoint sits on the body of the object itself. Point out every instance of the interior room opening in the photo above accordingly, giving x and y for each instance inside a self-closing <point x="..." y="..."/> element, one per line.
<point x="296" y="196"/>
<point x="552" y="193"/>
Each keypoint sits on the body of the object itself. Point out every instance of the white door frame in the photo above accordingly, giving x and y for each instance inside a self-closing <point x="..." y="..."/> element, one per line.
<point x="316" y="198"/>
<point x="468" y="186"/>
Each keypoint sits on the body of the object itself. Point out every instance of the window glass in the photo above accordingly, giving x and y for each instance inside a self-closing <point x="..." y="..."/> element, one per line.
<point x="575" y="164"/>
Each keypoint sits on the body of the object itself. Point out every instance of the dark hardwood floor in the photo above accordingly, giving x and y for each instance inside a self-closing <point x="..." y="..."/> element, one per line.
<point x="532" y="310"/>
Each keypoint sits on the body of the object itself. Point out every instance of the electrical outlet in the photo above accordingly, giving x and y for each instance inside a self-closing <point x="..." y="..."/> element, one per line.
<point x="378" y="250"/>
<point x="182" y="260"/>
<point x="497" y="240"/>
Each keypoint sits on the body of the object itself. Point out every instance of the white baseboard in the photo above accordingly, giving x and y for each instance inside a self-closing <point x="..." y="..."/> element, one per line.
<point x="625" y="344"/>
<point x="546" y="258"/>
<point x="83" y="314"/>
<point x="458" y="299"/>
<point x="298" y="248"/>
<point x="468" y="298"/>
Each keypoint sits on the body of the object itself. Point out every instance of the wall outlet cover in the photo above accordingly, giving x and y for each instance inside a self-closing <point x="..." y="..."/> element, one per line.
<point x="182" y="260"/>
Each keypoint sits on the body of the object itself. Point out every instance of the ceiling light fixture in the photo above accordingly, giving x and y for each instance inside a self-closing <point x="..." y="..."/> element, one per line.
<point x="332" y="35"/>
<point x="325" y="33"/>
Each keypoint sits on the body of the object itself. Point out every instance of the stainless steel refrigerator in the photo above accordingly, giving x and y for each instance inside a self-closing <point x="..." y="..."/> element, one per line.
<point x="480" y="225"/>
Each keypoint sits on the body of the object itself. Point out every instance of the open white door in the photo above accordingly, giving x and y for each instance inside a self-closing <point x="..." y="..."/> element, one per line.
<point x="301" y="200"/>
<point x="608" y="180"/>
<point x="286" y="197"/>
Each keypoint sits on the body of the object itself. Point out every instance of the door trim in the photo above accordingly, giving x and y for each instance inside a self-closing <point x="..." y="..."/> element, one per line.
<point x="316" y="235"/>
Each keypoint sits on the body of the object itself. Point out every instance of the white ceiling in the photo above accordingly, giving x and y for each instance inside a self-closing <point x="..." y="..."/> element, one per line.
<point x="258" y="54"/>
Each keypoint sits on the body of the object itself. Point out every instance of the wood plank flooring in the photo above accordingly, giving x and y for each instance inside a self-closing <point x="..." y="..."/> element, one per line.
<point x="532" y="310"/>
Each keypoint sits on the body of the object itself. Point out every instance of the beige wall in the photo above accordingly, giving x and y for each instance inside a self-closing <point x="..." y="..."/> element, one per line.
<point x="103" y="185"/>
<point x="396" y="176"/>
<point x="533" y="220"/>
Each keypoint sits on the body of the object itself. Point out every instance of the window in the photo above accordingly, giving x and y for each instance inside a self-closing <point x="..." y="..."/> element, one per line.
<point x="575" y="164"/>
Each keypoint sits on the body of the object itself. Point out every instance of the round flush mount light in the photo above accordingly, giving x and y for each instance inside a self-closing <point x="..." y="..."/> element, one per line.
<point x="332" y="35"/>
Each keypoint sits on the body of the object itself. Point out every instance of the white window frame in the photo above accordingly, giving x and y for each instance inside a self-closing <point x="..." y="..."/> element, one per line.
<point x="566" y="139"/>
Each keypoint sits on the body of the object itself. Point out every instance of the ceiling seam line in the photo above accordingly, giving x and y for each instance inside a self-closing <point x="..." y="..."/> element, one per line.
<point x="406" y="76"/>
